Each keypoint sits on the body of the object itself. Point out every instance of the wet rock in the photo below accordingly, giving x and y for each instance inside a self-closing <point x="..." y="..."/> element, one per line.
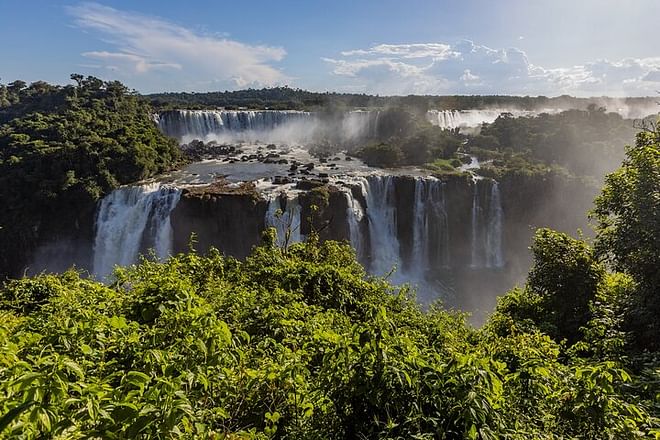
<point x="307" y="185"/>
<point x="281" y="180"/>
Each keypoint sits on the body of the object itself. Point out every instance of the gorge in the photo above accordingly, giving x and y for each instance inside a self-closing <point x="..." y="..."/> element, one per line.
<point x="447" y="236"/>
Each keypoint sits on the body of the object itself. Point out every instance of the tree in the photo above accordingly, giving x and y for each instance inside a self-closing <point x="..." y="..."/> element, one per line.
<point x="628" y="231"/>
<point x="561" y="285"/>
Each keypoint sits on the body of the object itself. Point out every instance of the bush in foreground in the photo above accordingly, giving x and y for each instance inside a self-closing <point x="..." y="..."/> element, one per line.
<point x="295" y="343"/>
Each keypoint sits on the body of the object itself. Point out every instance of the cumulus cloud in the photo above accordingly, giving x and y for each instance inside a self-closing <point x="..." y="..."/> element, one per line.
<point x="144" y="45"/>
<point x="466" y="67"/>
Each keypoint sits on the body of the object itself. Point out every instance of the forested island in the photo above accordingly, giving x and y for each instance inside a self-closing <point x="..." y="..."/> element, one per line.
<point x="300" y="338"/>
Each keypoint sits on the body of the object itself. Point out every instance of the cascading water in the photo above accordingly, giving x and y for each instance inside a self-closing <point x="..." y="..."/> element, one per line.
<point x="286" y="221"/>
<point x="200" y="124"/>
<point x="131" y="219"/>
<point x="430" y="226"/>
<point x="286" y="126"/>
<point x="494" y="258"/>
<point x="360" y="124"/>
<point x="450" y="119"/>
<point x="486" y="240"/>
<point x="354" y="215"/>
<point x="381" y="213"/>
<point x="447" y="119"/>
<point x="475" y="219"/>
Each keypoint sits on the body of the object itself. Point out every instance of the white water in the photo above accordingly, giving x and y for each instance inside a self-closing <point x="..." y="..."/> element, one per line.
<point x="486" y="240"/>
<point x="355" y="214"/>
<point x="475" y="219"/>
<point x="381" y="213"/>
<point x="494" y="258"/>
<point x="430" y="227"/>
<point x="286" y="126"/>
<point x="128" y="218"/>
<point x="199" y="124"/>
<point x="451" y="119"/>
<point x="286" y="221"/>
<point x="358" y="124"/>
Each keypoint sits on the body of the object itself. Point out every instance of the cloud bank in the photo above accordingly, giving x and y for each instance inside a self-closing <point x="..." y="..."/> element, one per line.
<point x="144" y="47"/>
<point x="469" y="68"/>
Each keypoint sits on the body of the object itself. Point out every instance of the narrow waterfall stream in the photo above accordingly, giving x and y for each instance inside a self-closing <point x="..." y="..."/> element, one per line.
<point x="286" y="220"/>
<point x="487" y="220"/>
<point x="381" y="212"/>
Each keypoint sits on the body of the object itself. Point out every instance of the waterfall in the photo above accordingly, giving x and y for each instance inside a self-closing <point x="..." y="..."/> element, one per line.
<point x="494" y="257"/>
<point x="355" y="214"/>
<point x="381" y="213"/>
<point x="475" y="219"/>
<point x="430" y="226"/>
<point x="286" y="221"/>
<point x="360" y="124"/>
<point x="131" y="219"/>
<point x="486" y="240"/>
<point x="420" y="230"/>
<point x="263" y="125"/>
<point x="202" y="124"/>
<point x="447" y="119"/>
<point x="450" y="119"/>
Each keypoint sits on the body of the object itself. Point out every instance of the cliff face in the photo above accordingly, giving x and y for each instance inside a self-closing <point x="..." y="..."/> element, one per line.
<point x="435" y="230"/>
<point x="61" y="240"/>
<point x="532" y="202"/>
<point x="229" y="219"/>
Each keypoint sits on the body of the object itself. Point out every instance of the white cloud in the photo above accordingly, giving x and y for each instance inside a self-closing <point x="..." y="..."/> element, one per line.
<point x="138" y="63"/>
<point x="466" y="67"/>
<point x="468" y="76"/>
<point x="143" y="45"/>
<point x="424" y="50"/>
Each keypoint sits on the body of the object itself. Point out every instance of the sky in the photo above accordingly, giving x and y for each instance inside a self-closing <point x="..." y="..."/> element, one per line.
<point x="512" y="47"/>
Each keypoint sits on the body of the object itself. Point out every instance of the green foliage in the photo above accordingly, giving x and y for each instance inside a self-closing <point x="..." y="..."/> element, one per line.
<point x="63" y="148"/>
<point x="566" y="276"/>
<point x="562" y="283"/>
<point x="382" y="155"/>
<point x="628" y="227"/>
<point x="295" y="344"/>
<point x="586" y="142"/>
<point x="405" y="137"/>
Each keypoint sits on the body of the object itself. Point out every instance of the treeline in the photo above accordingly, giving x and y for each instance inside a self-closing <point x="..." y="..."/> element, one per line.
<point x="300" y="342"/>
<point x="62" y="148"/>
<point x="286" y="98"/>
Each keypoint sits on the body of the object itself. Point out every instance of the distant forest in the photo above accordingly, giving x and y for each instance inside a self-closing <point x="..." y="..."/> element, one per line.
<point x="281" y="98"/>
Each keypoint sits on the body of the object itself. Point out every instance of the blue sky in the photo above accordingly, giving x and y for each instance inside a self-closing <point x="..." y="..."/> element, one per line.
<point x="524" y="47"/>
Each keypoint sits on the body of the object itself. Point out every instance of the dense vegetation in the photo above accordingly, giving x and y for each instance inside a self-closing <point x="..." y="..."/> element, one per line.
<point x="287" y="98"/>
<point x="585" y="142"/>
<point x="62" y="148"/>
<point x="406" y="138"/>
<point x="300" y="343"/>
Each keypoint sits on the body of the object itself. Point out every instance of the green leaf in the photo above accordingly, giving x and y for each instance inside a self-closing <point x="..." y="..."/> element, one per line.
<point x="13" y="413"/>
